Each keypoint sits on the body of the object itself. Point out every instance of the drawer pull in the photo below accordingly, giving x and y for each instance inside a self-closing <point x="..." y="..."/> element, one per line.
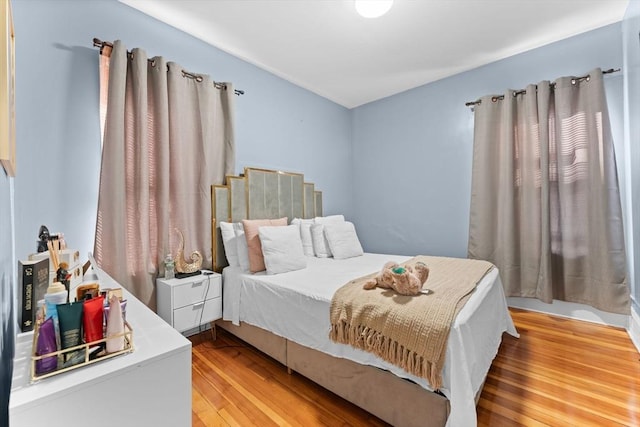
<point x="198" y="304"/>
<point x="197" y="284"/>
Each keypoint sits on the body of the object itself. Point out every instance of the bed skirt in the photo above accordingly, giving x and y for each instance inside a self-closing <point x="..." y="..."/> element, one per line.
<point x="397" y="401"/>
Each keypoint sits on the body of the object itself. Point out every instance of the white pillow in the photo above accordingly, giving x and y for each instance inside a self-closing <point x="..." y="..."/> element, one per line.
<point x="328" y="219"/>
<point x="307" y="240"/>
<point x="229" y="242"/>
<point x="242" y="248"/>
<point x="305" y="234"/>
<point x="282" y="248"/>
<point x="320" y="244"/>
<point x="343" y="240"/>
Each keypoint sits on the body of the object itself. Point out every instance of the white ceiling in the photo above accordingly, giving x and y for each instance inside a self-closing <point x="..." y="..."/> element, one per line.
<point x="327" y="48"/>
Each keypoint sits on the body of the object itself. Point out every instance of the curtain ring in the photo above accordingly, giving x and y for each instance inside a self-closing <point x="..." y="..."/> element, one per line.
<point x="152" y="62"/>
<point x="196" y="77"/>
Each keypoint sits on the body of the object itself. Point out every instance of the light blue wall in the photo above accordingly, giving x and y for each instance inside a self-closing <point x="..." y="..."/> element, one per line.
<point x="631" y="48"/>
<point x="8" y="322"/>
<point x="278" y="125"/>
<point x="413" y="151"/>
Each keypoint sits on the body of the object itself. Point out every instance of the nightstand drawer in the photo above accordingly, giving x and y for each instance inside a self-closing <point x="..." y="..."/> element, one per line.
<point x="194" y="292"/>
<point x="197" y="314"/>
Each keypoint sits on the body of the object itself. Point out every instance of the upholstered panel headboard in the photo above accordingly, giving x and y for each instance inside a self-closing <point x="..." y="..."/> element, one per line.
<point x="260" y="194"/>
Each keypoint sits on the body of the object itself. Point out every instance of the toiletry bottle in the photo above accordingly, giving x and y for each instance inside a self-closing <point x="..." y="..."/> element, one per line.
<point x="123" y="308"/>
<point x="56" y="294"/>
<point x="169" y="267"/>
<point x="46" y="344"/>
<point x="115" y="326"/>
<point x="70" y="322"/>
<point x="93" y="319"/>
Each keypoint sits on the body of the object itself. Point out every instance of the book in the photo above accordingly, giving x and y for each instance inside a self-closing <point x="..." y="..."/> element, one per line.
<point x="33" y="281"/>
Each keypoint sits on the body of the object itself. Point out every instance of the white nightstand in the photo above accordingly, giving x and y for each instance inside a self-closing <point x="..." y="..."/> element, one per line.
<point x="186" y="304"/>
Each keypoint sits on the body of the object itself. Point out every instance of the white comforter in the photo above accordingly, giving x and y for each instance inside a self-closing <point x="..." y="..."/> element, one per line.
<point x="295" y="305"/>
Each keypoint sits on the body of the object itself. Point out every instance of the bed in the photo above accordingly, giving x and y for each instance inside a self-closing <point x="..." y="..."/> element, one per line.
<point x="287" y="315"/>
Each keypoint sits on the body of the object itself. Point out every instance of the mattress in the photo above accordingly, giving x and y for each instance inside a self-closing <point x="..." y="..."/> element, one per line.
<point x="295" y="306"/>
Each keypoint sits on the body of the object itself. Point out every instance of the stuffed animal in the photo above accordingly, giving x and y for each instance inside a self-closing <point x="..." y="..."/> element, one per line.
<point x="405" y="280"/>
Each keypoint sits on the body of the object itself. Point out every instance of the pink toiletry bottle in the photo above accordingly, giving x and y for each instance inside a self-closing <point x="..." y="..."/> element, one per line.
<point x="115" y="326"/>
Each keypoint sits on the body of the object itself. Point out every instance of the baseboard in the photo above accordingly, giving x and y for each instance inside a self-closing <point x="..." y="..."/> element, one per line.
<point x="196" y="330"/>
<point x="634" y="328"/>
<point x="571" y="310"/>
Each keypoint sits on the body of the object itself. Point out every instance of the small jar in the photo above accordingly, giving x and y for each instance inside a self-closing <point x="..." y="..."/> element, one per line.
<point x="169" y="267"/>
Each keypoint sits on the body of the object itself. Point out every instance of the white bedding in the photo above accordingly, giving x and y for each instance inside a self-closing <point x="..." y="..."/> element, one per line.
<point x="295" y="305"/>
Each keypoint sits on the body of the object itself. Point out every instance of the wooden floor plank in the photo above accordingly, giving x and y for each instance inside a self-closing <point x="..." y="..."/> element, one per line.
<point x="560" y="372"/>
<point x="203" y="413"/>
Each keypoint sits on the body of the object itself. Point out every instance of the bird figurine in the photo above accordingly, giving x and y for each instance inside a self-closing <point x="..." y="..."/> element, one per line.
<point x="182" y="265"/>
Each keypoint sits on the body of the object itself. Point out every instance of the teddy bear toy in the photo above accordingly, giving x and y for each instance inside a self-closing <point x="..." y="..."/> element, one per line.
<point x="405" y="280"/>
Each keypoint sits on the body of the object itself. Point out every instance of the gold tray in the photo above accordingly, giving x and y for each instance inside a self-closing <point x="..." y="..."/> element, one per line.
<point x="128" y="348"/>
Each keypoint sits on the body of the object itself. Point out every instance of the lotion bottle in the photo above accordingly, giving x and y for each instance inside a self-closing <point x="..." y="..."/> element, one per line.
<point x="115" y="326"/>
<point x="56" y="294"/>
<point x="46" y="344"/>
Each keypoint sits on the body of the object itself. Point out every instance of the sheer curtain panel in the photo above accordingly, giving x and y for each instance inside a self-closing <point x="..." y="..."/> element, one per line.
<point x="168" y="135"/>
<point x="545" y="203"/>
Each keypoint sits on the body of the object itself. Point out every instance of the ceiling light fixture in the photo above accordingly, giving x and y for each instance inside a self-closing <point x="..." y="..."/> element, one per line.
<point x="373" y="8"/>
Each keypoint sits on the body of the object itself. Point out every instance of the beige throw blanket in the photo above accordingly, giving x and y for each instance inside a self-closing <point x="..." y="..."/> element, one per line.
<point x="408" y="331"/>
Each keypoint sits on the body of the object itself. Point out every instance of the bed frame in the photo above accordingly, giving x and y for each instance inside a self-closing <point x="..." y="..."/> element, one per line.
<point x="268" y="194"/>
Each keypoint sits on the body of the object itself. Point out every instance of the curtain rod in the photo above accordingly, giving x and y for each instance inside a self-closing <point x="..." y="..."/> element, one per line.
<point x="521" y="91"/>
<point x="109" y="46"/>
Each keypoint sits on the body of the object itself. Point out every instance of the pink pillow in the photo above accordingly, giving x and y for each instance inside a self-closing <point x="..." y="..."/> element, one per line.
<point x="256" y="259"/>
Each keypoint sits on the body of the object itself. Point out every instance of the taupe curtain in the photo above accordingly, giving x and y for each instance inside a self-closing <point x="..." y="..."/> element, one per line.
<point x="168" y="136"/>
<point x="545" y="203"/>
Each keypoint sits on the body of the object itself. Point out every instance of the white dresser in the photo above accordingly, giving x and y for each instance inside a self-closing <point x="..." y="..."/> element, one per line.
<point x="189" y="303"/>
<point x="149" y="387"/>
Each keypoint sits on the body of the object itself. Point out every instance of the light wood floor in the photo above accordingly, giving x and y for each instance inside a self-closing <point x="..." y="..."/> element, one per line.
<point x="559" y="372"/>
